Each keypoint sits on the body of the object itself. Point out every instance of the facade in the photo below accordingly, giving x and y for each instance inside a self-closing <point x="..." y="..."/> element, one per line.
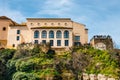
<point x="59" y="32"/>
<point x="4" y="26"/>
<point x="102" y="42"/>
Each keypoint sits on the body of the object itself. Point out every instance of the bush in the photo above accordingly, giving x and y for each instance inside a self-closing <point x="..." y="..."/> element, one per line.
<point x="50" y="53"/>
<point x="25" y="66"/>
<point x="25" y="76"/>
<point x="19" y="76"/>
<point x="6" y="54"/>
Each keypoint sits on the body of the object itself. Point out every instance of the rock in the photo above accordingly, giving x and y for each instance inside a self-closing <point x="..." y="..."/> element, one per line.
<point x="110" y="79"/>
<point x="93" y="77"/>
<point x="85" y="76"/>
<point x="101" y="77"/>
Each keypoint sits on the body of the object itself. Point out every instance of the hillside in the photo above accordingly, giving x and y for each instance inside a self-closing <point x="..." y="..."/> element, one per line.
<point x="35" y="63"/>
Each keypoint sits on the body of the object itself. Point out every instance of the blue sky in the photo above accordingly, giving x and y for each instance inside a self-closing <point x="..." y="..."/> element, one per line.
<point x="101" y="17"/>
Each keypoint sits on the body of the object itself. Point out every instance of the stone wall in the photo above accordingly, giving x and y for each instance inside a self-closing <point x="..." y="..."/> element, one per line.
<point x="107" y="40"/>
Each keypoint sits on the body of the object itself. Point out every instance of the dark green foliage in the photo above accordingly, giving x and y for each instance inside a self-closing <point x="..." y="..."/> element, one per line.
<point x="50" y="53"/>
<point x="2" y="71"/>
<point x="25" y="66"/>
<point x="6" y="54"/>
<point x="10" y="69"/>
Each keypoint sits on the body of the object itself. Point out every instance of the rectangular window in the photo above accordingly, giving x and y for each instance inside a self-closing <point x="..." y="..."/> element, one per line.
<point x="36" y="42"/>
<point x="77" y="43"/>
<point x="66" y="43"/>
<point x="18" y="31"/>
<point x="18" y="38"/>
<point x="43" y="41"/>
<point x="77" y="38"/>
<point x="51" y="42"/>
<point x="58" y="42"/>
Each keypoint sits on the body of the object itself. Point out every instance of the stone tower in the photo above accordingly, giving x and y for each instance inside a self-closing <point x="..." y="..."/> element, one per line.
<point x="102" y="42"/>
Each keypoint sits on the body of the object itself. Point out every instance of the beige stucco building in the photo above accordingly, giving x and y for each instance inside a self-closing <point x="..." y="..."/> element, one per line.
<point x="59" y="32"/>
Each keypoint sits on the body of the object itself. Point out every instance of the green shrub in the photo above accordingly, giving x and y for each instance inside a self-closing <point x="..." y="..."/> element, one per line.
<point x="6" y="54"/>
<point x="25" y="66"/>
<point x="25" y="76"/>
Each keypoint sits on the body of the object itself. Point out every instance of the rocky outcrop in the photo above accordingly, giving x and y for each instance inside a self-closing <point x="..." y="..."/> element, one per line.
<point x="96" y="77"/>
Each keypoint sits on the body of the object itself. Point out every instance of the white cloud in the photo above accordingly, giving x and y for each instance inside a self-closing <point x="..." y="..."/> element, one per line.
<point x="13" y="14"/>
<point x="56" y="7"/>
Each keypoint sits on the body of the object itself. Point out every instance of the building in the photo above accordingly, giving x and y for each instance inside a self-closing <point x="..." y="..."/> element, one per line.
<point x="59" y="32"/>
<point x="102" y="42"/>
<point x="5" y="23"/>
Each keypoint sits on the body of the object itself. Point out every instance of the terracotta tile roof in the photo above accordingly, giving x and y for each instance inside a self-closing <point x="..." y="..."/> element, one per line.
<point x="50" y="27"/>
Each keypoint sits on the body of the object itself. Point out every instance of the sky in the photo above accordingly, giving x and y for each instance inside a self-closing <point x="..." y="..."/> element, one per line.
<point x="101" y="17"/>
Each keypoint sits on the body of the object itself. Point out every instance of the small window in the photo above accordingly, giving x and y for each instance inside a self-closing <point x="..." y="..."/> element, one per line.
<point x="58" y="23"/>
<point x="38" y="24"/>
<point x="31" y="24"/>
<point x="66" y="43"/>
<point x="77" y="38"/>
<point x="36" y="42"/>
<point x="4" y="28"/>
<point x="77" y="43"/>
<point x="65" y="24"/>
<point x="13" y="45"/>
<point x="51" y="42"/>
<point x="18" y="38"/>
<point x="43" y="41"/>
<point x="18" y="31"/>
<point x="52" y="23"/>
<point x="58" y="42"/>
<point x="45" y="23"/>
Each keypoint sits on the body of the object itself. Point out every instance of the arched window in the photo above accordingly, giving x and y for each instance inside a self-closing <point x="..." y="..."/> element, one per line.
<point x="58" y="34"/>
<point x="51" y="34"/>
<point x="44" y="34"/>
<point x="66" y="34"/>
<point x="36" y="34"/>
